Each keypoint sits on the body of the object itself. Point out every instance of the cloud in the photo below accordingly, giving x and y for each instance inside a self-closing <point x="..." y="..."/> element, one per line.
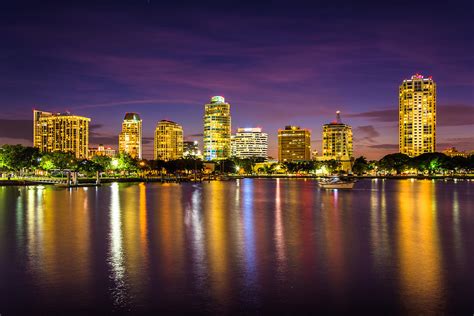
<point x="385" y="146"/>
<point x="97" y="138"/>
<point x="366" y="132"/>
<point x="390" y="115"/>
<point x="455" y="115"/>
<point x="147" y="140"/>
<point x="447" y="115"/>
<point x="196" y="135"/>
<point x="93" y="127"/>
<point x="461" y="143"/>
<point x="16" y="129"/>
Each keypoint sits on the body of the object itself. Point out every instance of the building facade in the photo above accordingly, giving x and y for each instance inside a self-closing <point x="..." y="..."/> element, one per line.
<point x="191" y="149"/>
<point x="417" y="116"/>
<point x="101" y="150"/>
<point x="168" y="141"/>
<point x="249" y="142"/>
<point x="294" y="144"/>
<point x="337" y="142"/>
<point x="61" y="132"/>
<point x="130" y="138"/>
<point x="217" y="129"/>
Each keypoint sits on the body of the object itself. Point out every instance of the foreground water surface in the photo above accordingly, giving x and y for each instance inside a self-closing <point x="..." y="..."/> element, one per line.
<point x="243" y="246"/>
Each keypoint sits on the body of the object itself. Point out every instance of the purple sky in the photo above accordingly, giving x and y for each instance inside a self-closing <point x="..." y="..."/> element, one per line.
<point x="276" y="63"/>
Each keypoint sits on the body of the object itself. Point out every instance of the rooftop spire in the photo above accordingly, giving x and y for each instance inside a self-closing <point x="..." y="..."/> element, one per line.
<point x="338" y="117"/>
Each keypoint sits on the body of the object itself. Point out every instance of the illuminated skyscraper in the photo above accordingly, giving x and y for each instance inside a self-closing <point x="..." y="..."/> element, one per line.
<point x="337" y="142"/>
<point x="294" y="144"/>
<point x="417" y="116"/>
<point x="168" y="141"/>
<point x="61" y="132"/>
<point x="130" y="139"/>
<point x="217" y="129"/>
<point x="249" y="142"/>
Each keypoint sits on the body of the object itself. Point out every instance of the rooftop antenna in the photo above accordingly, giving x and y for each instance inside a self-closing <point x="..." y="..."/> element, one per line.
<point x="338" y="117"/>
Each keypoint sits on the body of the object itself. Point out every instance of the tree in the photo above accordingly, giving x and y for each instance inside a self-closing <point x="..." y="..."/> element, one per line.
<point x="58" y="160"/>
<point x="103" y="161"/>
<point x="18" y="157"/>
<point x="431" y="162"/>
<point x="89" y="167"/>
<point x="360" y="166"/>
<point x="125" y="162"/>
<point x="226" y="166"/>
<point x="332" y="165"/>
<point x="398" y="162"/>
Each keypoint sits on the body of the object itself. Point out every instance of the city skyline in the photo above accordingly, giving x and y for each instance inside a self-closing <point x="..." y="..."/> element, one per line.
<point x="163" y="69"/>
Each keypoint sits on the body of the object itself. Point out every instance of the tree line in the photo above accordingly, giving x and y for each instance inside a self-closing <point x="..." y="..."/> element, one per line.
<point x="22" y="160"/>
<point x="428" y="163"/>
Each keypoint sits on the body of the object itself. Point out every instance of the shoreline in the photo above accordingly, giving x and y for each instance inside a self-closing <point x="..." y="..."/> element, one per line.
<point x="26" y="182"/>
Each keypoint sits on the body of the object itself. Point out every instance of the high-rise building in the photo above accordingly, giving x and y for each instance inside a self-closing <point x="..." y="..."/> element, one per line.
<point x="130" y="139"/>
<point x="191" y="149"/>
<point x="168" y="140"/>
<point x="217" y="129"/>
<point x="101" y="151"/>
<point x="61" y="132"/>
<point x="337" y="142"/>
<point x="250" y="142"/>
<point x="417" y="116"/>
<point x="294" y="144"/>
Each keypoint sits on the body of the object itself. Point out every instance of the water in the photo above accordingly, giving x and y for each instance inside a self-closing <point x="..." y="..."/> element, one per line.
<point x="246" y="246"/>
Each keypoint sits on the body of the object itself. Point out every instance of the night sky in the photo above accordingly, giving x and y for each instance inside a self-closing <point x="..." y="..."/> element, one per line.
<point x="277" y="63"/>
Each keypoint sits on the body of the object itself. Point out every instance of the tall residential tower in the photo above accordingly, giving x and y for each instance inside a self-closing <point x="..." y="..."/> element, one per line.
<point x="217" y="129"/>
<point x="417" y="116"/>
<point x="337" y="142"/>
<point x="130" y="139"/>
<point x="168" y="141"/>
<point x="61" y="132"/>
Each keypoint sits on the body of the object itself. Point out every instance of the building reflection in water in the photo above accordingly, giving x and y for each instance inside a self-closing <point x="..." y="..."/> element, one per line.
<point x="279" y="237"/>
<point x="380" y="241"/>
<point x="116" y="255"/>
<point x="217" y="242"/>
<point x="418" y="245"/>
<point x="194" y="231"/>
<point x="249" y="233"/>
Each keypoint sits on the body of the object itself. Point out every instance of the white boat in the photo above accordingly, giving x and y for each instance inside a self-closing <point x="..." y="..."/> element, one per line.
<point x="336" y="183"/>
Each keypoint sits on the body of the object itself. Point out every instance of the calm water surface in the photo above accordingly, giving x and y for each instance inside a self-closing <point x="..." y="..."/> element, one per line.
<point x="245" y="246"/>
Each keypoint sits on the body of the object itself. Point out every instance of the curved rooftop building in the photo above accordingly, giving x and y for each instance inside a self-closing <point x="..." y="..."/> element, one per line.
<point x="217" y="129"/>
<point x="130" y="138"/>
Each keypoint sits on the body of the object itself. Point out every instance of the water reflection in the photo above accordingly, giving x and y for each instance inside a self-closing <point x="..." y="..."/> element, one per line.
<point x="279" y="236"/>
<point x="419" y="252"/>
<point x="246" y="246"/>
<point x="116" y="256"/>
<point x="249" y="234"/>
<point x="217" y="242"/>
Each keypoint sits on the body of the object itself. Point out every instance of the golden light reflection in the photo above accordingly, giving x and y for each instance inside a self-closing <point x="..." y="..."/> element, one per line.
<point x="419" y="250"/>
<point x="217" y="241"/>
<point x="171" y="233"/>
<point x="134" y="235"/>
